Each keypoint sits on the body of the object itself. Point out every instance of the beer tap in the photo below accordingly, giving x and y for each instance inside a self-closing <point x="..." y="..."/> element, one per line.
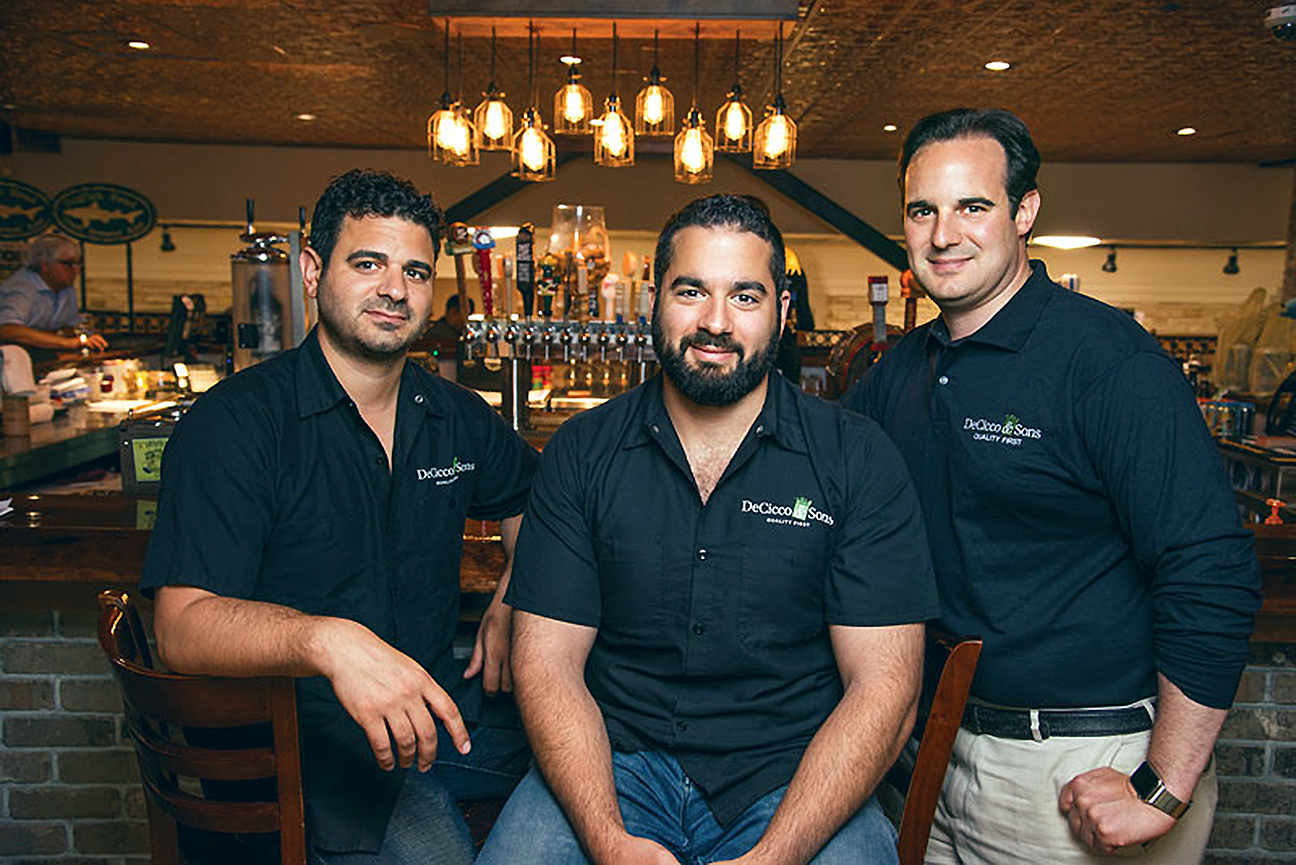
<point x="603" y="339"/>
<point x="483" y="243"/>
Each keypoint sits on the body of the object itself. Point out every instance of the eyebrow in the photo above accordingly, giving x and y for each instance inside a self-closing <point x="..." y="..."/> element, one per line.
<point x="382" y="256"/>
<point x="963" y="202"/>
<point x="749" y="286"/>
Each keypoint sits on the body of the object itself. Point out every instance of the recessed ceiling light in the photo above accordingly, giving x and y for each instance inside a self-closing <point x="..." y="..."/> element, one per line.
<point x="1187" y="130"/>
<point x="306" y="116"/>
<point x="890" y="127"/>
<point x="138" y="45"/>
<point x="569" y="59"/>
<point x="1066" y="241"/>
<point x="998" y="65"/>
<point x="277" y="49"/>
<point x="8" y="106"/>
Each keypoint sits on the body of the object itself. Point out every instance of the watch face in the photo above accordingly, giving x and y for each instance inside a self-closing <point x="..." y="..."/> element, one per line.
<point x="1144" y="781"/>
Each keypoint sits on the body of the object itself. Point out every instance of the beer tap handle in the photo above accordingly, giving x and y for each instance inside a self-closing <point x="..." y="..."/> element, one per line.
<point x="483" y="243"/>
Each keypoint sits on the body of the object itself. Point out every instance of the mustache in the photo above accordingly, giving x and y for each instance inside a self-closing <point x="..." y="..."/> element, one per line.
<point x="388" y="307"/>
<point x="721" y="341"/>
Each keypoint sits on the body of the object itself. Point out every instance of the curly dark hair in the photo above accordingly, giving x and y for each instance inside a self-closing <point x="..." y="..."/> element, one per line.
<point x="1022" y="158"/>
<point x="740" y="212"/>
<point x="364" y="192"/>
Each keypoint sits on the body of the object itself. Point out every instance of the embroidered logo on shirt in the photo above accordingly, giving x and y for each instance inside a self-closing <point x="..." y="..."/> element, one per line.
<point x="1008" y="432"/>
<point x="799" y="514"/>
<point x="447" y="475"/>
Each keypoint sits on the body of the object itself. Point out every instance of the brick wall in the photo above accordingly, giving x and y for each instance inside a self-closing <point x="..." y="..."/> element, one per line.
<point x="1256" y="818"/>
<point x="71" y="793"/>
<point x="68" y="780"/>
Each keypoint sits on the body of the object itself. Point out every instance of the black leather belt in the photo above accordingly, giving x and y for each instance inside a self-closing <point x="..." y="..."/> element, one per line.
<point x="1016" y="723"/>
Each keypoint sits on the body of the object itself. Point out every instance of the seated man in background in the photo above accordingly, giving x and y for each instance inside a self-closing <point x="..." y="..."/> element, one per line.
<point x="310" y="524"/>
<point x="40" y="300"/>
<point x="720" y="592"/>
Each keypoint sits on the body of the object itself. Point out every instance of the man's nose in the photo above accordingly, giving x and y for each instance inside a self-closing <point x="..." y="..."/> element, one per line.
<point x="945" y="231"/>
<point x="392" y="284"/>
<point x="715" y="316"/>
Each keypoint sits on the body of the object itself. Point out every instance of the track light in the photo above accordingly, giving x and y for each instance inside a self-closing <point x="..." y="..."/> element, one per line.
<point x="1231" y="266"/>
<point x="1109" y="266"/>
<point x="168" y="245"/>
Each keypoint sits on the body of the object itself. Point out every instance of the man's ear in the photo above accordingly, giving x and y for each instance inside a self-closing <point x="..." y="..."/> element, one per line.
<point x="1027" y="210"/>
<point x="312" y="269"/>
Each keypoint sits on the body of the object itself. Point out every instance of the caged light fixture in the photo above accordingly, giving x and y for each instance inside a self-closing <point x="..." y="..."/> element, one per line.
<point x="463" y="142"/>
<point x="441" y="125"/>
<point x="614" y="137"/>
<point x="654" y="106"/>
<point x="775" y="143"/>
<point x="573" y="104"/>
<point x="694" y="150"/>
<point x="734" y="119"/>
<point x="533" y="151"/>
<point x="493" y="119"/>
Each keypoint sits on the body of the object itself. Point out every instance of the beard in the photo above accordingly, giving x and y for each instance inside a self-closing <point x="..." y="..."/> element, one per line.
<point x="345" y="331"/>
<point x="707" y="383"/>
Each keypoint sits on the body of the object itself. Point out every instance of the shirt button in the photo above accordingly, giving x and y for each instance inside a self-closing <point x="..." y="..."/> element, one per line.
<point x="943" y="379"/>
<point x="380" y="460"/>
<point x="418" y="398"/>
<point x="655" y="429"/>
<point x="699" y="629"/>
<point x="681" y="726"/>
<point x="760" y="429"/>
<point x="702" y="554"/>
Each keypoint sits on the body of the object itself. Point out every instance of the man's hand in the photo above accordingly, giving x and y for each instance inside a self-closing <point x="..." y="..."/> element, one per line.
<point x="94" y="341"/>
<point x="632" y="850"/>
<point x="490" y="655"/>
<point x="386" y="690"/>
<point x="1106" y="813"/>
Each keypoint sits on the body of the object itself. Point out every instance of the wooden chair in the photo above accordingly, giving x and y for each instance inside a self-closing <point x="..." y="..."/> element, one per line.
<point x="956" y="661"/>
<point x="158" y="705"/>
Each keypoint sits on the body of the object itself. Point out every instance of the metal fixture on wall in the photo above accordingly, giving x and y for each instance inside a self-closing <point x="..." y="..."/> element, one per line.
<point x="573" y="104"/>
<point x="493" y="119"/>
<point x="533" y="151"/>
<point x="613" y="135"/>
<point x="168" y="245"/>
<point x="775" y="141"/>
<point x="1231" y="266"/>
<point x="694" y="150"/>
<point x="734" y="119"/>
<point x="1109" y="266"/>
<point x="655" y="105"/>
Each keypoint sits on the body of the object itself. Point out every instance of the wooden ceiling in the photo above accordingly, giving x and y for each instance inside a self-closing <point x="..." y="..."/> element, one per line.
<point x="1097" y="80"/>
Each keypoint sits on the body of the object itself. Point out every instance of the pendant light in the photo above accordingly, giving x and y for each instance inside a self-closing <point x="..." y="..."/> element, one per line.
<point x="533" y="151"/>
<point x="573" y="104"/>
<point x="614" y="137"/>
<point x="694" y="150"/>
<point x="734" y="119"/>
<point x="440" y="127"/>
<point x="775" y="141"/>
<point x="463" y="145"/>
<point x="654" y="106"/>
<point x="493" y="119"/>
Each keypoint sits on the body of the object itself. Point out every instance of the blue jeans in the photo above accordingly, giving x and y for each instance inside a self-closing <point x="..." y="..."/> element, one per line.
<point x="658" y="801"/>
<point x="425" y="824"/>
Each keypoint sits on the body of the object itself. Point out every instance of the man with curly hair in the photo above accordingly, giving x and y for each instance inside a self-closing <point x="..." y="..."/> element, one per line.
<point x="310" y="525"/>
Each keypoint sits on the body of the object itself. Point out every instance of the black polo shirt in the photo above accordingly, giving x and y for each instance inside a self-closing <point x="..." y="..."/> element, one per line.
<point x="275" y="489"/>
<point x="1079" y="516"/>
<point x="713" y="619"/>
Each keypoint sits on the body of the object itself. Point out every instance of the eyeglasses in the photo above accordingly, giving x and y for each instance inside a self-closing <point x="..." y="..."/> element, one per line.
<point x="69" y="262"/>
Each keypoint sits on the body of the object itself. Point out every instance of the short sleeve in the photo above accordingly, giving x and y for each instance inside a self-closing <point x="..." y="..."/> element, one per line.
<point x="881" y="571"/>
<point x="555" y="573"/>
<point x="15" y="306"/>
<point x="215" y="503"/>
<point x="508" y="465"/>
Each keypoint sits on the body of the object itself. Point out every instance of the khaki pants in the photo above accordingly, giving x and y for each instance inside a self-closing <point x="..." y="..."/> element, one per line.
<point x="999" y="804"/>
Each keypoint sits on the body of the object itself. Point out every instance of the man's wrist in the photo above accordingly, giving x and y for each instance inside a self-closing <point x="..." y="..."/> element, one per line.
<point x="1149" y="787"/>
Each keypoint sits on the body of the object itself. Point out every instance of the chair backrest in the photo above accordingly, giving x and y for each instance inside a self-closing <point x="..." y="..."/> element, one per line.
<point x="159" y="706"/>
<point x="956" y="659"/>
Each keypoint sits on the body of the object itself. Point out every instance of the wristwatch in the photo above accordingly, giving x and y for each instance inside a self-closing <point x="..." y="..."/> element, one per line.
<point x="1152" y="790"/>
<point x="84" y="337"/>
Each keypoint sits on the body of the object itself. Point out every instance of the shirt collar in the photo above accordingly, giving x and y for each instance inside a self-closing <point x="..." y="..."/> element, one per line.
<point x="319" y="390"/>
<point x="1010" y="326"/>
<point x="777" y="416"/>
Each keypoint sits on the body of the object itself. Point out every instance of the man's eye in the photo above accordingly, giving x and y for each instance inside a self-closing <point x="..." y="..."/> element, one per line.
<point x="365" y="264"/>
<point x="416" y="274"/>
<point x="919" y="212"/>
<point x="746" y="299"/>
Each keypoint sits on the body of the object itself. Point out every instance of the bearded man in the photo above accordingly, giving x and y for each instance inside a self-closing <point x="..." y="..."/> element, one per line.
<point x="310" y="524"/>
<point x="720" y="591"/>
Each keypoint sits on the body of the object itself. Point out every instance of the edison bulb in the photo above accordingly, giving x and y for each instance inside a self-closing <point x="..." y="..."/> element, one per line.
<point x="460" y="140"/>
<point x="533" y="150"/>
<point x="495" y="127"/>
<point x="654" y="110"/>
<point x="735" y="124"/>
<point x="776" y="143"/>
<point x="613" y="134"/>
<point x="691" y="154"/>
<point x="445" y="131"/>
<point x="573" y="105"/>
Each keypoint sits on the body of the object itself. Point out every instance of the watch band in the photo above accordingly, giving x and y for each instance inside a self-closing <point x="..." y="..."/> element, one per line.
<point x="1152" y="790"/>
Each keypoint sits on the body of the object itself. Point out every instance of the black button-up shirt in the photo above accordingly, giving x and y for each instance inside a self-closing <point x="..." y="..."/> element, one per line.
<point x="712" y="619"/>
<point x="275" y="489"/>
<point x="1079" y="516"/>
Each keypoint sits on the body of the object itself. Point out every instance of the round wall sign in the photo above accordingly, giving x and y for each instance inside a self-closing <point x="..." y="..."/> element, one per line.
<point x="24" y="210"/>
<point x="103" y="213"/>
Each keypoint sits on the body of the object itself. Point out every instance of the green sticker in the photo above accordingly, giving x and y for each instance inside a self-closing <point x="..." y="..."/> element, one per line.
<point x="145" y="513"/>
<point x="148" y="459"/>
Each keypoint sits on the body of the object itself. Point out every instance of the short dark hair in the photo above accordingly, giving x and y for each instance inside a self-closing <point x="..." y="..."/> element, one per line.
<point x="1022" y="157"/>
<point x="740" y="212"/>
<point x="362" y="192"/>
